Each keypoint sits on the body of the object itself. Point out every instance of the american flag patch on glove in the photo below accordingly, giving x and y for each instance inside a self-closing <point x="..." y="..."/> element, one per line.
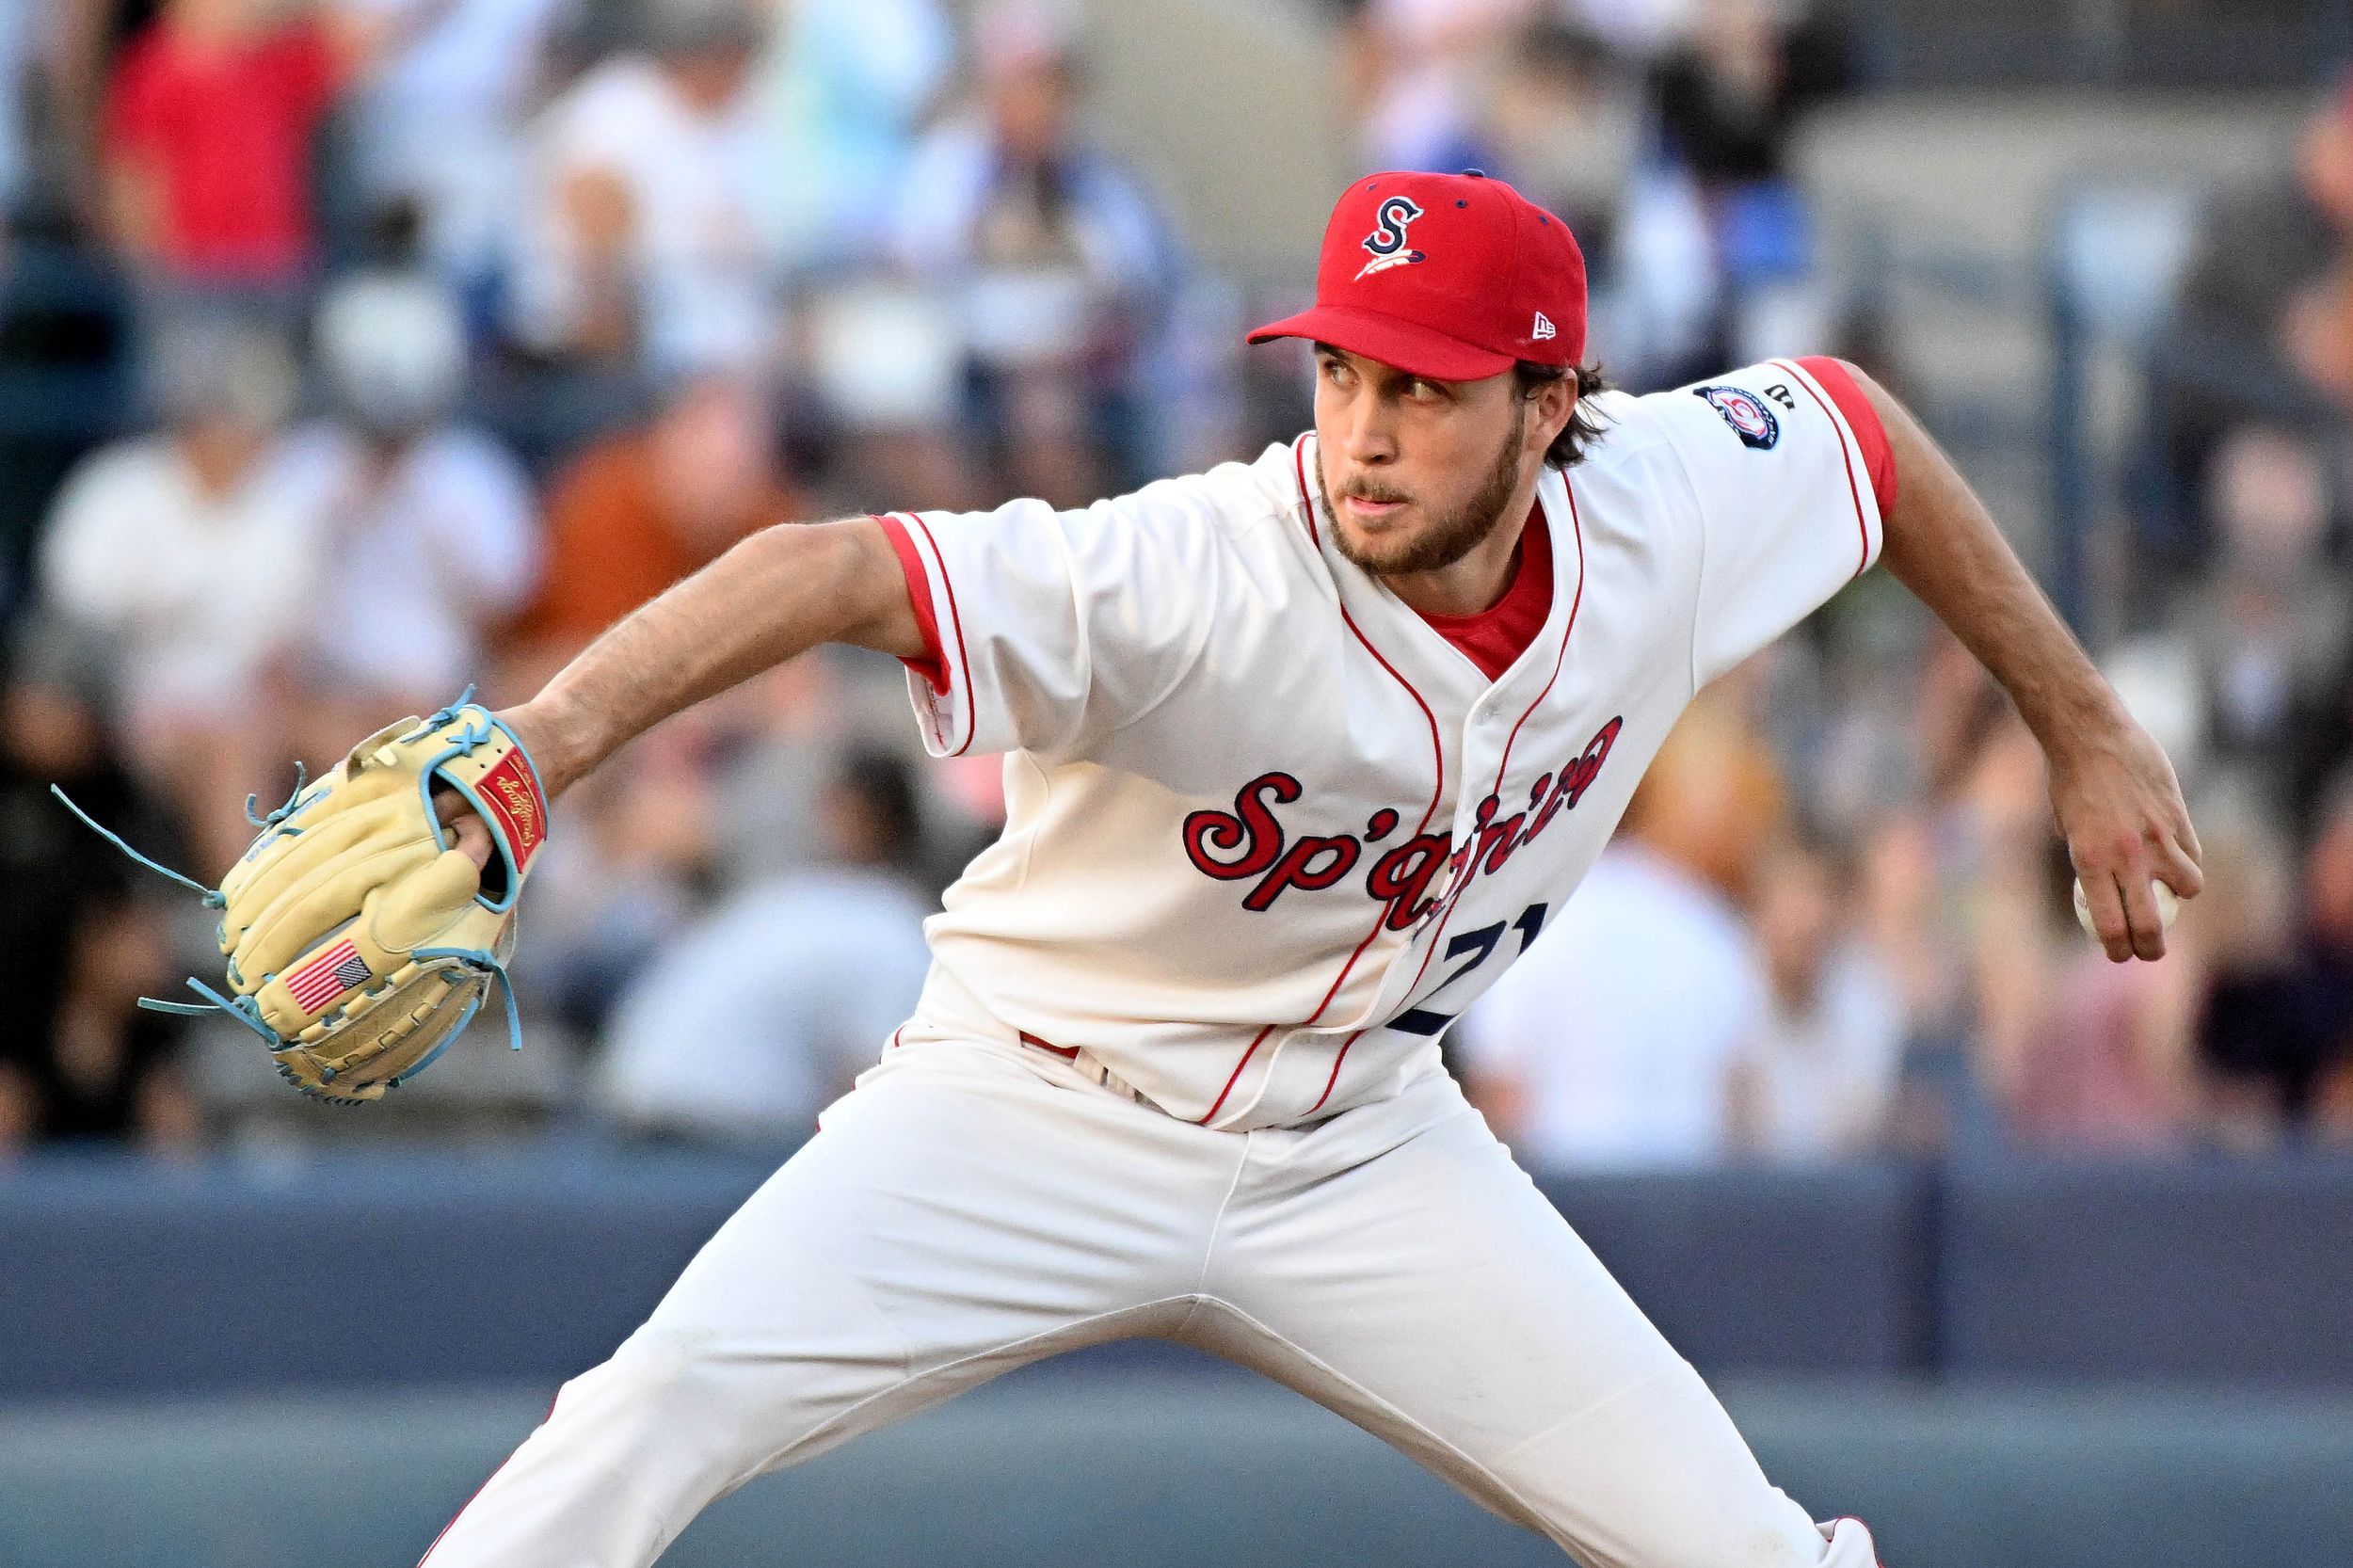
<point x="322" y="978"/>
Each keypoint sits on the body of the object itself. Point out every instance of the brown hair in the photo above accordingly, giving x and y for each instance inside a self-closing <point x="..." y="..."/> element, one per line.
<point x="1585" y="427"/>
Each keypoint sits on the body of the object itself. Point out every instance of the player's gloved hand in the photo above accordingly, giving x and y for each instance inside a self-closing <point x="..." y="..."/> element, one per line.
<point x="2120" y="809"/>
<point x="366" y="923"/>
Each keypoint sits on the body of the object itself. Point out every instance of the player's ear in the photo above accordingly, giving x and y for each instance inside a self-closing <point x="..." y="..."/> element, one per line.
<point x="1555" y="405"/>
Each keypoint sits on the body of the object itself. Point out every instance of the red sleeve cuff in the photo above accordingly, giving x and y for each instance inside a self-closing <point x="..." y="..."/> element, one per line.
<point x="932" y="665"/>
<point x="1864" y="420"/>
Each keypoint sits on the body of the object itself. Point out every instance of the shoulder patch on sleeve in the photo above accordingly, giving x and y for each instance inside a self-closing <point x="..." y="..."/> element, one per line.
<point x="1745" y="412"/>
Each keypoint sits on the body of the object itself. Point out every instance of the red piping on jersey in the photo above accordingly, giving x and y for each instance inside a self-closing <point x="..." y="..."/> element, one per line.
<point x="955" y="617"/>
<point x="1845" y="454"/>
<point x="1837" y="378"/>
<point x="1299" y="462"/>
<point x="1069" y="1053"/>
<point x="1437" y="793"/>
<point x="486" y="1484"/>
<point x="933" y="666"/>
<point x="1577" y="529"/>
<point x="1336" y="1066"/>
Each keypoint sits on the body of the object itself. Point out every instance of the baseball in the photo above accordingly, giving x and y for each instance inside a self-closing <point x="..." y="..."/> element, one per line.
<point x="2167" y="906"/>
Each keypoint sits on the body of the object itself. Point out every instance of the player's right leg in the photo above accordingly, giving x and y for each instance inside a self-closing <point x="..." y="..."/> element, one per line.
<point x="1397" y="1265"/>
<point x="958" y="1216"/>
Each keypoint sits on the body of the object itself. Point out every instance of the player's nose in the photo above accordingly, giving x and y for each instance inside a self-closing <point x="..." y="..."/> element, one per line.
<point x="1366" y="435"/>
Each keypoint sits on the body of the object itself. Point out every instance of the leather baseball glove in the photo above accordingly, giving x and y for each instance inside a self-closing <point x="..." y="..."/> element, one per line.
<point x="360" y="940"/>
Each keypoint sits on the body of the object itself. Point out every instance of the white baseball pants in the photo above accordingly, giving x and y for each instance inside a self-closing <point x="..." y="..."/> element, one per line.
<point x="971" y="1208"/>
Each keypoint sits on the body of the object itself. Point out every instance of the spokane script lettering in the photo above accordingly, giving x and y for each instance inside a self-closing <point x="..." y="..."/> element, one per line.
<point x="1250" y="843"/>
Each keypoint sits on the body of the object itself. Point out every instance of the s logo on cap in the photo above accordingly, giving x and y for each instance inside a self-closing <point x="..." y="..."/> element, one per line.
<point x="1387" y="240"/>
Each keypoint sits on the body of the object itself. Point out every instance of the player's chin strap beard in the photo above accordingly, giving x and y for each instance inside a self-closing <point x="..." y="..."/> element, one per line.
<point x="1451" y="535"/>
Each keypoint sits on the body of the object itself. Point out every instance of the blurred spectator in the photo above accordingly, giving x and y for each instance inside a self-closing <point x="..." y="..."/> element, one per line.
<point x="1817" y="1081"/>
<point x="2026" y="1034"/>
<point x="1953" y="891"/>
<point x="1611" y="1041"/>
<point x="16" y="56"/>
<point x="2324" y="738"/>
<point x="636" y="860"/>
<point x="1728" y="99"/>
<point x="2254" y="305"/>
<point x="885" y="366"/>
<point x="1420" y="71"/>
<point x="1730" y="94"/>
<point x="2276" y="1028"/>
<point x="776" y="743"/>
<point x="845" y="86"/>
<point x="193" y="551"/>
<point x="2268" y="620"/>
<point x="640" y="234"/>
<point x="1059" y="261"/>
<point x="1565" y="124"/>
<point x="2247" y="680"/>
<point x="1638" y="29"/>
<point x="2259" y="1045"/>
<point x="75" y="62"/>
<point x="643" y="508"/>
<point x="2328" y="956"/>
<point x="2107" y="1068"/>
<point x="78" y="942"/>
<point x="755" y="1018"/>
<point x="439" y="123"/>
<point x="431" y="532"/>
<point x="209" y="120"/>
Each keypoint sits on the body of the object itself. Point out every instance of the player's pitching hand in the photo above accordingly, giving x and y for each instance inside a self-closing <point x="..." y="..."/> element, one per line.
<point x="465" y="825"/>
<point x="2121" y="809"/>
<point x="467" y="829"/>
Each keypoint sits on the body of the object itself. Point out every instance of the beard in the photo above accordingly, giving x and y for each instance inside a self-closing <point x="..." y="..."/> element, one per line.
<point x="1448" y="536"/>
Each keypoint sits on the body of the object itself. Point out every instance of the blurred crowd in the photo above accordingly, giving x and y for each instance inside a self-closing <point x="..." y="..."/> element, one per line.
<point x="354" y="350"/>
<point x="1835" y="920"/>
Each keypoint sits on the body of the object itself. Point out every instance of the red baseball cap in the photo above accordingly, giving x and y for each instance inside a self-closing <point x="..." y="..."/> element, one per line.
<point x="1449" y="275"/>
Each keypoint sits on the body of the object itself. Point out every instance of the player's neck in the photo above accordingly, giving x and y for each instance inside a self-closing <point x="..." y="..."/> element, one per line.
<point x="1475" y="582"/>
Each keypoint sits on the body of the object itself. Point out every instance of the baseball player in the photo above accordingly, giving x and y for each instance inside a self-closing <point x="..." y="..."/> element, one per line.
<point x="1299" y="755"/>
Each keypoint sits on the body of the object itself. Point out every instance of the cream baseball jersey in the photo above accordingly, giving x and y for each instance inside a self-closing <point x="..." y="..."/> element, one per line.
<point x="1268" y="831"/>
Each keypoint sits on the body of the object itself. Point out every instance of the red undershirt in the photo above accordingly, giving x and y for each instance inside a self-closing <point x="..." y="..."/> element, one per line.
<point x="1494" y="637"/>
<point x="1499" y="635"/>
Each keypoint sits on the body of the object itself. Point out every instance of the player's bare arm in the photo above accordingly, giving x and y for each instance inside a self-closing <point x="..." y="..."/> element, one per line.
<point x="2112" y="789"/>
<point x="777" y="594"/>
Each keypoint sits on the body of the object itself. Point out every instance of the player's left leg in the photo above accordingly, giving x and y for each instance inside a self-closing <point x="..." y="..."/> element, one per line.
<point x="1401" y="1269"/>
<point x="968" y="1209"/>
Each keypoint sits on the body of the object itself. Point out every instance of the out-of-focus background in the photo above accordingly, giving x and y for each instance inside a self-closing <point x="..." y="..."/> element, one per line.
<point x="354" y="349"/>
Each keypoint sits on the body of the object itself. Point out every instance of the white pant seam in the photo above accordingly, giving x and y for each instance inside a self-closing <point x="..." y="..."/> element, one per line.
<point x="1217" y="1223"/>
<point x="1401" y="1417"/>
<point x="1587" y="1411"/>
<point x="773" y="1460"/>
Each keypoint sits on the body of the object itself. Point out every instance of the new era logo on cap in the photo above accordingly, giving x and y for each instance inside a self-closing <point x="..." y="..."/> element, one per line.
<point x="1542" y="329"/>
